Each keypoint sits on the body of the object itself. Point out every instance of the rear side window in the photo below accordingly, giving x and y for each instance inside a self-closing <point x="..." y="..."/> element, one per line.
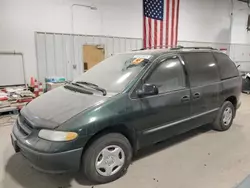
<point x="202" y="68"/>
<point x="227" y="67"/>
<point x="168" y="75"/>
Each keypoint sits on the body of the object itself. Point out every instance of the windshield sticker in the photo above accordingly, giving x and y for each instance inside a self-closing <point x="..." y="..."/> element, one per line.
<point x="143" y="56"/>
<point x="137" y="61"/>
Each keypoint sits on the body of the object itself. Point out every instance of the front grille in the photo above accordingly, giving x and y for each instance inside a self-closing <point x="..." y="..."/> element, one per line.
<point x="24" y="121"/>
<point x="23" y="125"/>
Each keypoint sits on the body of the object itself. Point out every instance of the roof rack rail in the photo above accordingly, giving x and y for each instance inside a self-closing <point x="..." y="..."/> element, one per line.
<point x="195" y="47"/>
<point x="172" y="47"/>
<point x="159" y="47"/>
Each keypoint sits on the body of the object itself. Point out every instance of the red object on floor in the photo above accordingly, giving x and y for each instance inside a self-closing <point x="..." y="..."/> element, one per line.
<point x="32" y="82"/>
<point x="24" y="100"/>
<point x="36" y="89"/>
<point x="40" y="89"/>
<point x="4" y="90"/>
<point x="3" y="98"/>
<point x="20" y="107"/>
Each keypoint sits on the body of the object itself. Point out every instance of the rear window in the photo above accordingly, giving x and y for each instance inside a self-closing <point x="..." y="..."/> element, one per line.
<point x="227" y="67"/>
<point x="202" y="68"/>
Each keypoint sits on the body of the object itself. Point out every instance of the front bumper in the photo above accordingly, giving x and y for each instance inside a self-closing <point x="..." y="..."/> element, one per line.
<point x="51" y="162"/>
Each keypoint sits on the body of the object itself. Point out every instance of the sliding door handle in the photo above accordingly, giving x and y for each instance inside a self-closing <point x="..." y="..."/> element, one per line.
<point x="186" y="98"/>
<point x="196" y="96"/>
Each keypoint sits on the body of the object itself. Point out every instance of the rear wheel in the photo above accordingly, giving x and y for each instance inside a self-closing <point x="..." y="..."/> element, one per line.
<point x="225" y="117"/>
<point x="107" y="158"/>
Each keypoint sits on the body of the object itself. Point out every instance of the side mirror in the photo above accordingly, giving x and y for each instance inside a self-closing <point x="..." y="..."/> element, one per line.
<point x="147" y="90"/>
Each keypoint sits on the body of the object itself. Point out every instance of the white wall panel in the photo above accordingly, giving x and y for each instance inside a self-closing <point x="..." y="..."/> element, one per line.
<point x="55" y="52"/>
<point x="86" y="20"/>
<point x="240" y="17"/>
<point x="11" y="70"/>
<point x="200" y="20"/>
<point x="240" y="53"/>
<point x="205" y="20"/>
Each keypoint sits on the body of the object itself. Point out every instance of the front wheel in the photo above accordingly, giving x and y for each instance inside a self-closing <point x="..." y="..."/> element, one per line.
<point x="225" y="117"/>
<point x="107" y="158"/>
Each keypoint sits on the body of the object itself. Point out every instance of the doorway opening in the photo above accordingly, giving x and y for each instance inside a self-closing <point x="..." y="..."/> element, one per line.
<point x="92" y="55"/>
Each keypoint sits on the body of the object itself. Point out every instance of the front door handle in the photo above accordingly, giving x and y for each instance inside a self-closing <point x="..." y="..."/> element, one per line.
<point x="186" y="98"/>
<point x="196" y="95"/>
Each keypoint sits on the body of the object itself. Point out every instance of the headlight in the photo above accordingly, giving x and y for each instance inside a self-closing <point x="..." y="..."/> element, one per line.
<point x="57" y="135"/>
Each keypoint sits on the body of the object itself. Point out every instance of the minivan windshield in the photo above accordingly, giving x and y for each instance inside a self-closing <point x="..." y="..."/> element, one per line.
<point x="114" y="73"/>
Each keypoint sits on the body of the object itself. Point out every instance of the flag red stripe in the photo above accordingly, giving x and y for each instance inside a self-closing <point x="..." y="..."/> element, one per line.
<point x="149" y="33"/>
<point x="161" y="34"/>
<point x="167" y="21"/>
<point x="155" y="34"/>
<point x="173" y="20"/>
<point x="144" y="33"/>
<point x="177" y="22"/>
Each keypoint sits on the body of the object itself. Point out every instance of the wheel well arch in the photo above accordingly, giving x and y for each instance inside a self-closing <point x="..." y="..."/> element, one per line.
<point x="130" y="134"/>
<point x="233" y="100"/>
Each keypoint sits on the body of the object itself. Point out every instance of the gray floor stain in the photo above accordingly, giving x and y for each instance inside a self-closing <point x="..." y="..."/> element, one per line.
<point x="7" y="120"/>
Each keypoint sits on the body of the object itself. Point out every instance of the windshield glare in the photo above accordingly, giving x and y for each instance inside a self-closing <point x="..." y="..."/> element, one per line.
<point x="114" y="73"/>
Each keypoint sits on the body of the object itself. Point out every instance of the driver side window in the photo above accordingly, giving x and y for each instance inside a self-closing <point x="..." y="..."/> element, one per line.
<point x="168" y="75"/>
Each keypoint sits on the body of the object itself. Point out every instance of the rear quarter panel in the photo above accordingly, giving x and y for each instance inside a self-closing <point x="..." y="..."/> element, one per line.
<point x="231" y="87"/>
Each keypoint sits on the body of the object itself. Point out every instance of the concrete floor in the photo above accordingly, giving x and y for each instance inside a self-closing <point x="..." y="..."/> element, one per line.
<point x="201" y="158"/>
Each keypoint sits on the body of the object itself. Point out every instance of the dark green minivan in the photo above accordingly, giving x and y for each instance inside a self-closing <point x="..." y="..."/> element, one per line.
<point x="129" y="101"/>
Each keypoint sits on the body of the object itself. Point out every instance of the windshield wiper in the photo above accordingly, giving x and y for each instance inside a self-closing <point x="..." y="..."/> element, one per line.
<point x="78" y="88"/>
<point x="76" y="84"/>
<point x="86" y="83"/>
<point x="93" y="86"/>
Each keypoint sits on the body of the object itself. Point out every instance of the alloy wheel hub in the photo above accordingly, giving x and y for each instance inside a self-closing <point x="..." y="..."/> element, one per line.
<point x="110" y="160"/>
<point x="227" y="116"/>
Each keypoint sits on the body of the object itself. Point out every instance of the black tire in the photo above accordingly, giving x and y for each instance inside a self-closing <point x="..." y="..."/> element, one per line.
<point x="218" y="124"/>
<point x="91" y="154"/>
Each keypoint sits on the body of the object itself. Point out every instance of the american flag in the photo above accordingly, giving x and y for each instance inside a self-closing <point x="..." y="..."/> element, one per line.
<point x="160" y="23"/>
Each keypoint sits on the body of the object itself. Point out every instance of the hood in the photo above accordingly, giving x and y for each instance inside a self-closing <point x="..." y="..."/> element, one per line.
<point x="57" y="106"/>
